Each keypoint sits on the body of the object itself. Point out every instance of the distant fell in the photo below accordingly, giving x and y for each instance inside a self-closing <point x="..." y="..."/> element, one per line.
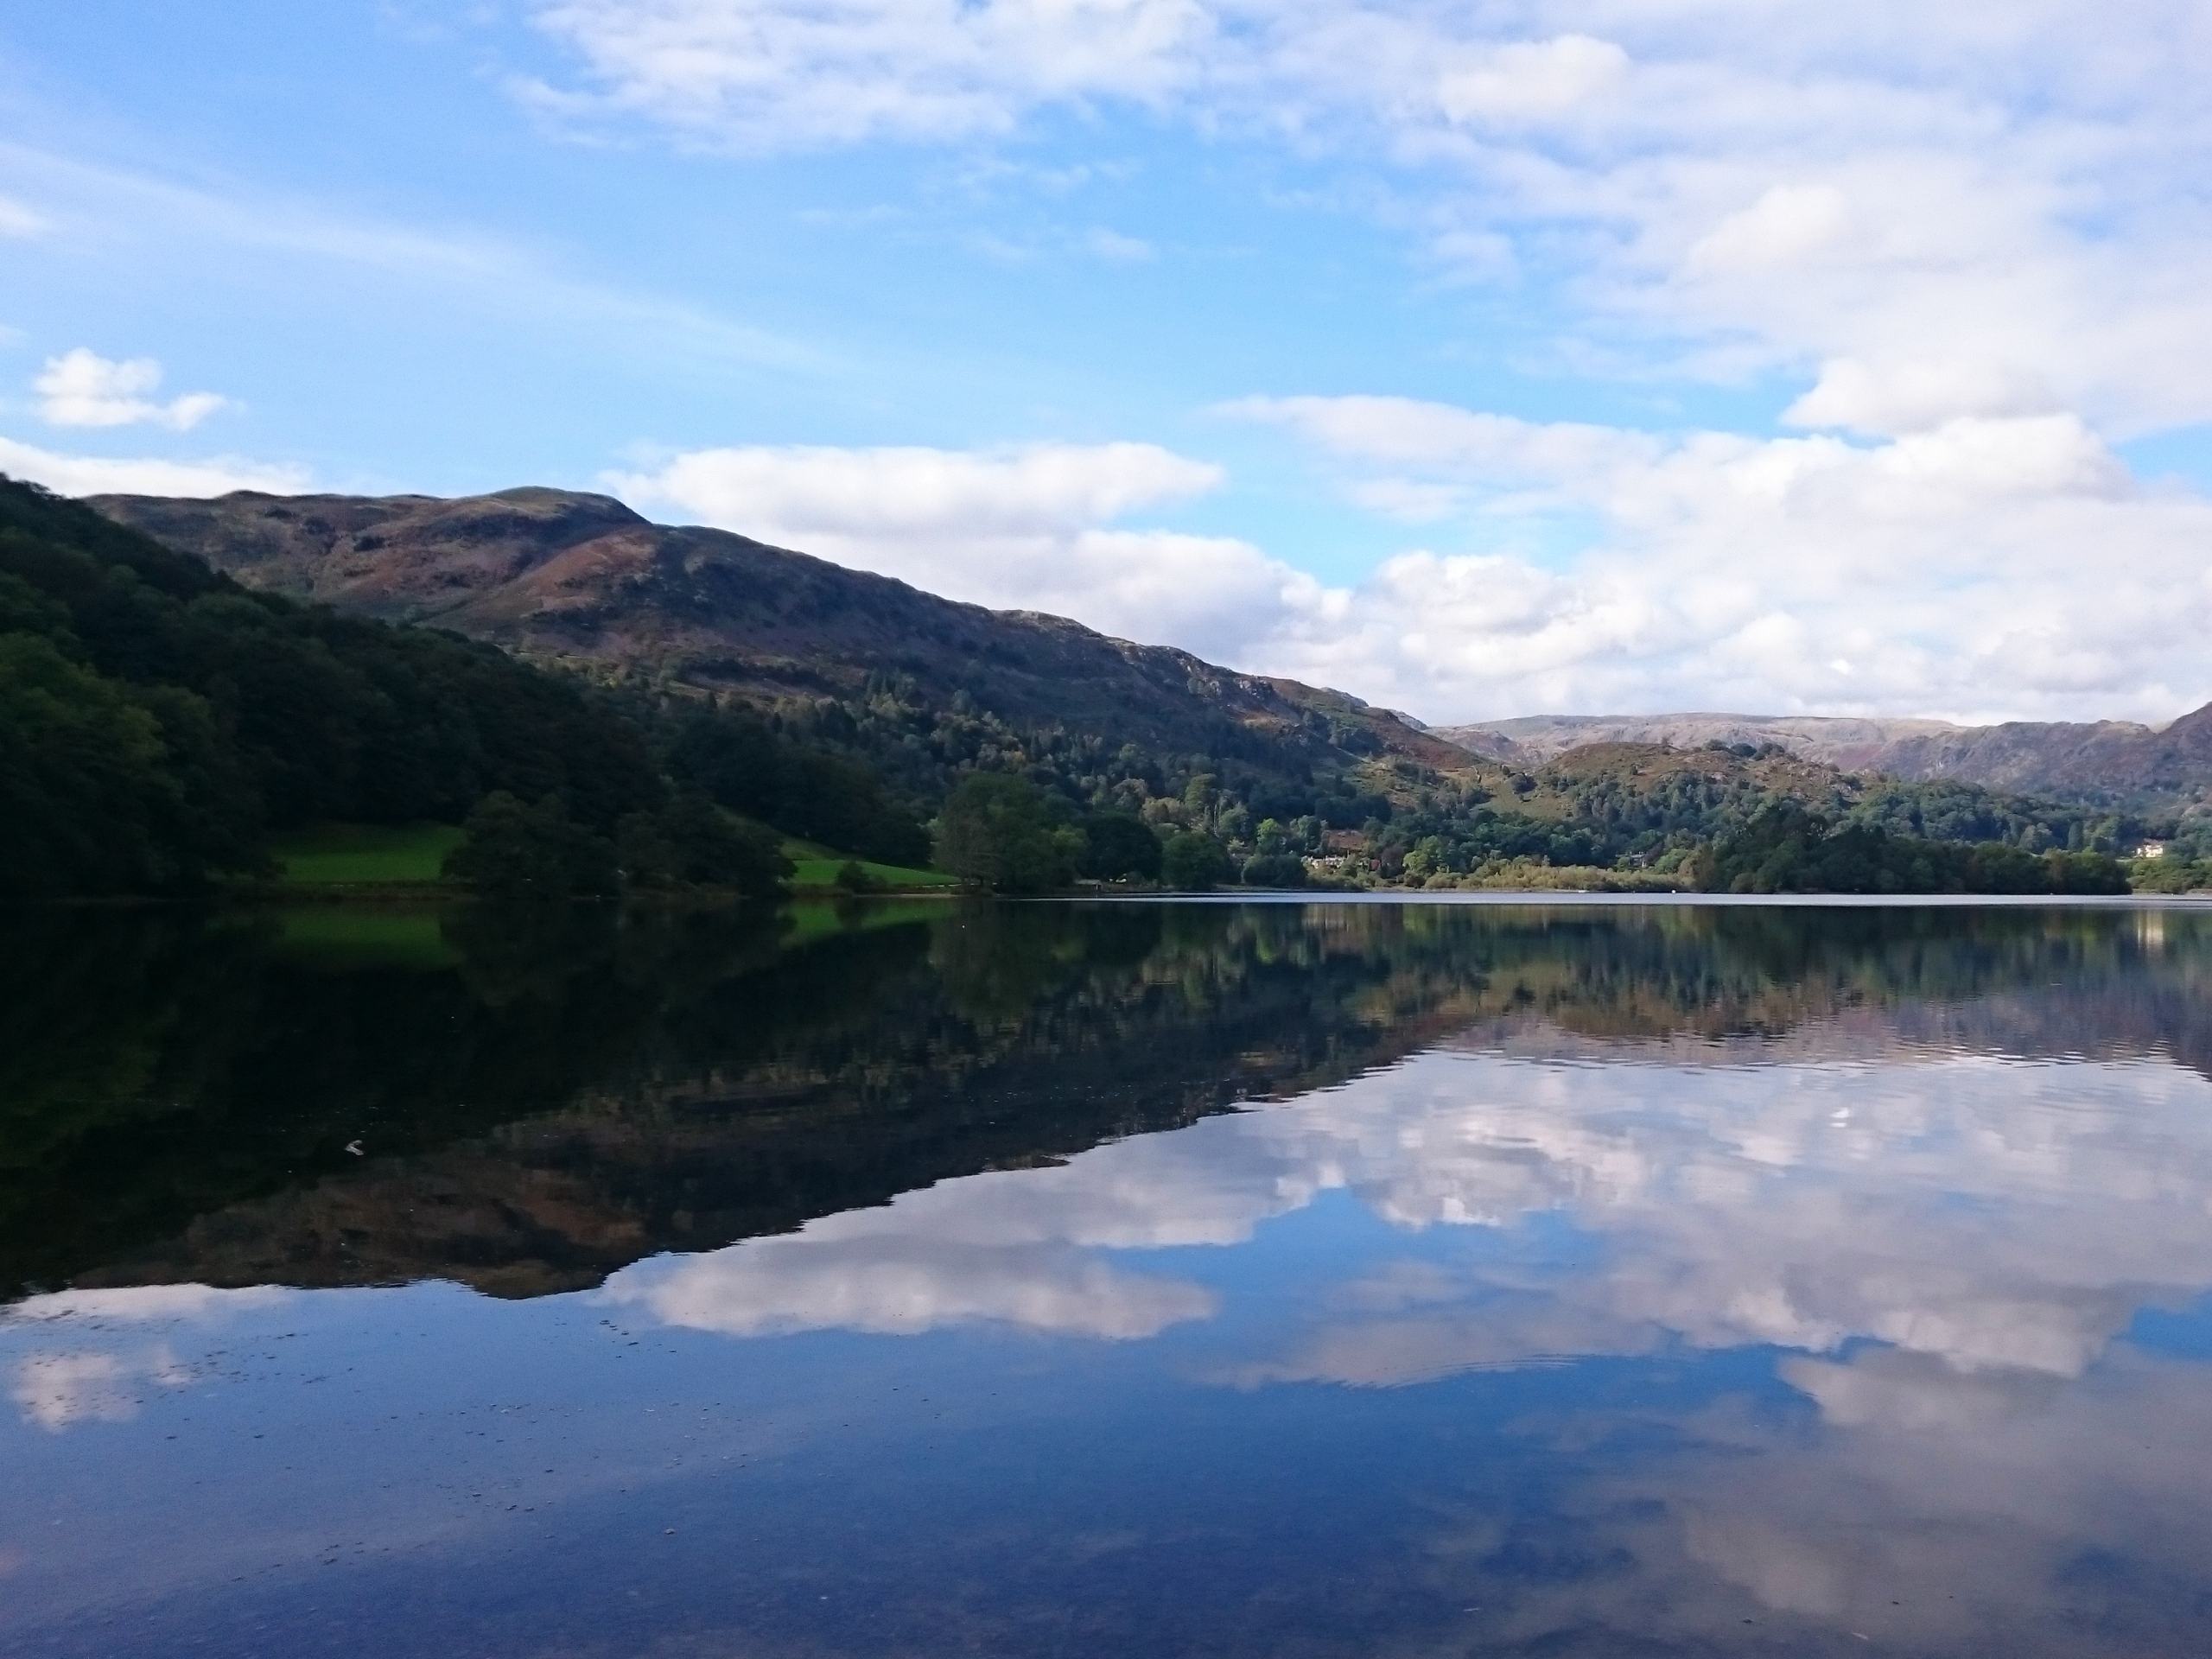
<point x="580" y="579"/>
<point x="2109" y="759"/>
<point x="1836" y="740"/>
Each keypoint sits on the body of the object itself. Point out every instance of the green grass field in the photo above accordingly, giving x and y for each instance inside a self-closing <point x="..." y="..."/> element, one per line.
<point x="360" y="855"/>
<point x="372" y="855"/>
<point x="816" y="867"/>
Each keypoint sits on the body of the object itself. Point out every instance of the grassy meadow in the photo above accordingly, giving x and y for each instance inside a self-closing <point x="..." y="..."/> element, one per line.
<point x="365" y="855"/>
<point x="337" y="857"/>
<point x="816" y="867"/>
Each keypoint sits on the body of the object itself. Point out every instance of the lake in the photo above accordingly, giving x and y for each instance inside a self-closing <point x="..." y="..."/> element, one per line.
<point x="1111" y="1279"/>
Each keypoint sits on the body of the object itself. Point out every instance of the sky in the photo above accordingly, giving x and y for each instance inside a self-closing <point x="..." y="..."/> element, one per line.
<point x="1602" y="356"/>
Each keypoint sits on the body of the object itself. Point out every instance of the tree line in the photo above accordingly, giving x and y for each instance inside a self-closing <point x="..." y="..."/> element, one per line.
<point x="1785" y="849"/>
<point x="1006" y="835"/>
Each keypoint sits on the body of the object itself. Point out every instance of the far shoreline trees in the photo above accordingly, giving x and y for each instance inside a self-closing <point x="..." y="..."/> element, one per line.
<point x="998" y="833"/>
<point x="512" y="851"/>
<point x="1785" y="849"/>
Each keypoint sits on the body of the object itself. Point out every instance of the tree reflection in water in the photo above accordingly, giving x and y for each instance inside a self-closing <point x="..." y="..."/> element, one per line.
<point x="1331" y="1278"/>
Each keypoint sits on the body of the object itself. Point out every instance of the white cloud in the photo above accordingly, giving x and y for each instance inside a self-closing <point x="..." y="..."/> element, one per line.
<point x="908" y="492"/>
<point x="82" y="388"/>
<point x="1568" y="565"/>
<point x="70" y="474"/>
<point x="1531" y="81"/>
<point x="1028" y="528"/>
<point x="2009" y="183"/>
<point x="1889" y="398"/>
<point x="1948" y="569"/>
<point x="21" y="221"/>
<point x="1789" y="226"/>
<point x="775" y="74"/>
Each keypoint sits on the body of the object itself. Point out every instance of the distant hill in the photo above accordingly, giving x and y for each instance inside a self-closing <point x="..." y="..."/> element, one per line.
<point x="926" y="689"/>
<point x="581" y="579"/>
<point x="2107" y="760"/>
<point x="1534" y="739"/>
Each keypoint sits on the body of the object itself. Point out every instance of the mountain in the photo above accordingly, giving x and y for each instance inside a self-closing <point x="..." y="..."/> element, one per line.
<point x="2109" y="759"/>
<point x="925" y="689"/>
<point x="581" y="579"/>
<point x="2102" y="758"/>
<point x="1534" y="739"/>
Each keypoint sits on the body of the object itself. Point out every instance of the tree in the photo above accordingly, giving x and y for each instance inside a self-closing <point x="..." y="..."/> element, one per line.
<point x="854" y="877"/>
<point x="91" y="790"/>
<point x="713" y="850"/>
<point x="1198" y="797"/>
<point x="511" y="850"/>
<point x="738" y="760"/>
<point x="691" y="842"/>
<point x="1120" y="847"/>
<point x="1274" y="870"/>
<point x="1193" y="862"/>
<point x="996" y="832"/>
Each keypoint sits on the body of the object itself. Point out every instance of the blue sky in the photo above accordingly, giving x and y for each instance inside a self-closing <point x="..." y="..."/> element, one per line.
<point x="1480" y="360"/>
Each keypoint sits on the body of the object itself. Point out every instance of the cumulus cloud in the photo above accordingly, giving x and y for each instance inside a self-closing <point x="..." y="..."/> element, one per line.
<point x="1945" y="569"/>
<point x="1566" y="565"/>
<point x="87" y="389"/>
<point x="1028" y="528"/>
<point x="71" y="475"/>
<point x="82" y="388"/>
<point x="825" y="492"/>
<point x="1896" y="398"/>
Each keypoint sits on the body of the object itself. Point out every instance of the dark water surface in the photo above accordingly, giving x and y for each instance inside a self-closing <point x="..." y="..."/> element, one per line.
<point x="1124" y="1279"/>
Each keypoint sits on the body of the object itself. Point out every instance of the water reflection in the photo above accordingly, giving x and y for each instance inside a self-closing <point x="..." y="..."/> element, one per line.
<point x="1175" y="1279"/>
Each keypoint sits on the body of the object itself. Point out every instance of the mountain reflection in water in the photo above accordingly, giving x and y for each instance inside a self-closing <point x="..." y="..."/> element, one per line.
<point x="1123" y="1278"/>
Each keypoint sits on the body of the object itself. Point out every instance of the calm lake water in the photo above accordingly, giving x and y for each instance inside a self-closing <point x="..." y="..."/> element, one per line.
<point x="1116" y="1280"/>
